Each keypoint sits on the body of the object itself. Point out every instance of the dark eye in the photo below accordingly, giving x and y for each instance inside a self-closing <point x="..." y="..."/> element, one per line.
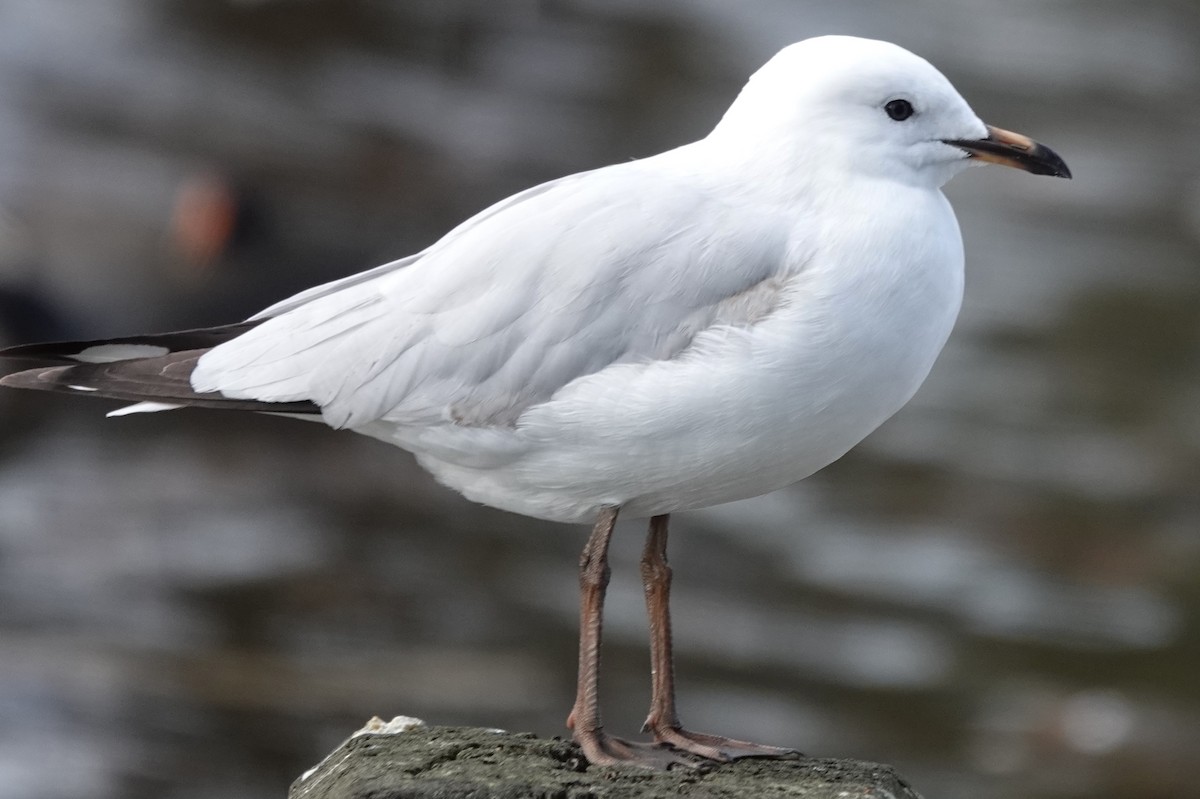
<point x="899" y="110"/>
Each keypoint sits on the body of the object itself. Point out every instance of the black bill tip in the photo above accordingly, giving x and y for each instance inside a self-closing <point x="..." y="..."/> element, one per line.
<point x="1016" y="150"/>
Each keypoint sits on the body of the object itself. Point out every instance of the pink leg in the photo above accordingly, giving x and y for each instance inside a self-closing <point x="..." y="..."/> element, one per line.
<point x="663" y="721"/>
<point x="598" y="747"/>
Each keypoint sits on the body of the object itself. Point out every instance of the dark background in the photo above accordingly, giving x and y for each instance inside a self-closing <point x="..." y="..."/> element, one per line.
<point x="998" y="592"/>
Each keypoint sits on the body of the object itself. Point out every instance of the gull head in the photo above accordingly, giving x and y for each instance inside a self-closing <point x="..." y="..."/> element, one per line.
<point x="861" y="106"/>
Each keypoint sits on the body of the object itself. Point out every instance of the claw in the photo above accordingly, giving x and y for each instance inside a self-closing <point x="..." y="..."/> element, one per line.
<point x="602" y="749"/>
<point x="717" y="748"/>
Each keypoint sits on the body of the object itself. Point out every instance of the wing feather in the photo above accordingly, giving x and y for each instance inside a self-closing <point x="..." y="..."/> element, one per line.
<point x="550" y="286"/>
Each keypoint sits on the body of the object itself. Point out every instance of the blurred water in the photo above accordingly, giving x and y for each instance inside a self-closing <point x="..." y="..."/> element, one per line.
<point x="999" y="592"/>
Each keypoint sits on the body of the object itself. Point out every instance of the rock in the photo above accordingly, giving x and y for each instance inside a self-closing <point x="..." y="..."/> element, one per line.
<point x="405" y="759"/>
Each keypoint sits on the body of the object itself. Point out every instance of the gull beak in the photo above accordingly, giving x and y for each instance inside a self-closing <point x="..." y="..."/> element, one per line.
<point x="1012" y="149"/>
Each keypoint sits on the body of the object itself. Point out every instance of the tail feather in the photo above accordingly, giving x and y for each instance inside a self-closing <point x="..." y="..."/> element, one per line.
<point x="155" y="369"/>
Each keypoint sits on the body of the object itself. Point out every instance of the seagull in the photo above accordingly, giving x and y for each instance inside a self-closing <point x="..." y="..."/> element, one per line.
<point x="704" y="325"/>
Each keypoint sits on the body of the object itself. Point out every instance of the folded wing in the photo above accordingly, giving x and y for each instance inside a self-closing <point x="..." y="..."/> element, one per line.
<point x="514" y="305"/>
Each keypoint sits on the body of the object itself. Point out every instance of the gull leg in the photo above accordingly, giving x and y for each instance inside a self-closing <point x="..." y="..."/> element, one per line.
<point x="663" y="721"/>
<point x="598" y="747"/>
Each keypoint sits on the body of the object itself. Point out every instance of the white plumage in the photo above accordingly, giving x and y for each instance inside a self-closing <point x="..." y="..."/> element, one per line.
<point x="692" y="328"/>
<point x="705" y="325"/>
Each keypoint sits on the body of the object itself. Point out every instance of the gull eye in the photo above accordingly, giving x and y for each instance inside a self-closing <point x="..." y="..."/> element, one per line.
<point x="899" y="110"/>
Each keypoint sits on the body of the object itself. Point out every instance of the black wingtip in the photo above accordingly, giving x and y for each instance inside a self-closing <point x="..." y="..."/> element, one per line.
<point x="164" y="380"/>
<point x="62" y="352"/>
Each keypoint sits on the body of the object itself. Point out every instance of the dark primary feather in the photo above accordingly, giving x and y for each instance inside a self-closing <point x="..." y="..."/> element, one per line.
<point x="164" y="378"/>
<point x="60" y="352"/>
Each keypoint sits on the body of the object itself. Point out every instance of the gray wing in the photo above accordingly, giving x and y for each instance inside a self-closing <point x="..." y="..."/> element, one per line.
<point x="516" y="303"/>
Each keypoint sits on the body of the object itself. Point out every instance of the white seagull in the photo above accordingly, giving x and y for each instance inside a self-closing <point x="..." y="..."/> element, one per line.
<point x="704" y="325"/>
